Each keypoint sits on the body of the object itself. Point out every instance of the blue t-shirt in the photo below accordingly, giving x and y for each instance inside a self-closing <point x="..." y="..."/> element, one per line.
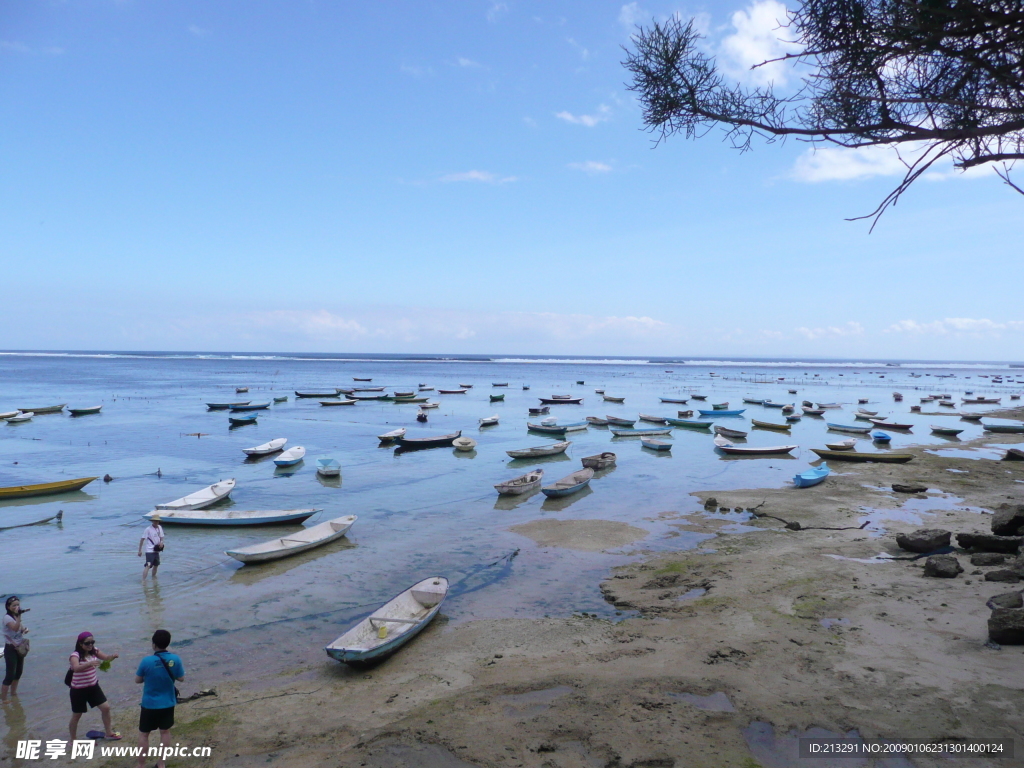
<point x="157" y="686"/>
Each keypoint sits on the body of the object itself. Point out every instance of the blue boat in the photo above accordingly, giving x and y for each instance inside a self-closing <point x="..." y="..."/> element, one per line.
<point x="656" y="445"/>
<point x="291" y="457"/>
<point x="722" y="413"/>
<point x="773" y="404"/>
<point x="881" y="437"/>
<point x="547" y="429"/>
<point x="812" y="476"/>
<point x="642" y="432"/>
<point x="848" y="428"/>
<point x="569" y="485"/>
<point x="238" y="421"/>
<point x="250" y="407"/>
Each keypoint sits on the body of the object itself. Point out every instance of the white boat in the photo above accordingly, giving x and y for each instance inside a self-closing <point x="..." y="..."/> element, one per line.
<point x="291" y="457"/>
<point x="550" y="421"/>
<point x="20" y="416"/>
<point x="464" y="443"/>
<point x="294" y="543"/>
<point x="233" y="516"/>
<point x="523" y="484"/>
<point x="867" y="413"/>
<point x="394" y="434"/>
<point x="428" y="405"/>
<point x="275" y="445"/>
<point x="845" y="445"/>
<point x="489" y="421"/>
<point x="328" y="467"/>
<point x="653" y="419"/>
<point x="5" y="416"/>
<point x="541" y="450"/>
<point x="201" y="498"/>
<point x="392" y="625"/>
<point x="726" y="447"/>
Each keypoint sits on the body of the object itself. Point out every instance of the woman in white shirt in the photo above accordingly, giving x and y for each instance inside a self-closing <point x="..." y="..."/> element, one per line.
<point x="14" y="639"/>
<point x="153" y="541"/>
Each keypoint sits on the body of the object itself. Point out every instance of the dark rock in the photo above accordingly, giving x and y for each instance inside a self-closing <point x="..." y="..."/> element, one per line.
<point x="1014" y="454"/>
<point x="942" y="567"/>
<point x="711" y="501"/>
<point x="1006" y="600"/>
<point x="909" y="488"/>
<point x="1006" y="626"/>
<point x="661" y="582"/>
<point x="1008" y="520"/>
<point x="988" y="558"/>
<point x="107" y="478"/>
<point x="1003" y="574"/>
<point x="1017" y="565"/>
<point x="794" y="526"/>
<point x="924" y="540"/>
<point x="989" y="542"/>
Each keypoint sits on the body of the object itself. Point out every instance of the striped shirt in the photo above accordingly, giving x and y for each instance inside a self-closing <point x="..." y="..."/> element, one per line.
<point x="86" y="677"/>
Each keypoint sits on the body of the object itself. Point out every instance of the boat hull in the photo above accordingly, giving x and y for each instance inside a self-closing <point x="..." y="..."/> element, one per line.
<point x="881" y="458"/>
<point x="278" y="517"/>
<point x="416" y="444"/>
<point x="251" y="555"/>
<point x="721" y="413"/>
<point x="44" y="489"/>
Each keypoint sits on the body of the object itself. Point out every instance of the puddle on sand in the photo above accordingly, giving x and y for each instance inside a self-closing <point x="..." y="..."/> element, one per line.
<point x="774" y="750"/>
<point x="881" y="557"/>
<point x="693" y="594"/>
<point x="966" y="453"/>
<point x="716" y="702"/>
<point x="396" y="754"/>
<point x="829" y="623"/>
<point x="914" y="511"/>
<point x="523" y="705"/>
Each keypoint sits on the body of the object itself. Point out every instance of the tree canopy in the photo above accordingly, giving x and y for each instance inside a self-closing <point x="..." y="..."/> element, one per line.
<point x="945" y="77"/>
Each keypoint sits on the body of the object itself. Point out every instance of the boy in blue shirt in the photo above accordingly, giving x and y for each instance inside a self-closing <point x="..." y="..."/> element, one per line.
<point x="157" y="674"/>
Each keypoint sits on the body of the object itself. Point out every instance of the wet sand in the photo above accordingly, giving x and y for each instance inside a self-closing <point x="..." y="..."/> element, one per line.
<point x="727" y="652"/>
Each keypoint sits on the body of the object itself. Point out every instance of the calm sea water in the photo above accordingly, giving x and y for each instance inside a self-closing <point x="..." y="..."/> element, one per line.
<point x="420" y="513"/>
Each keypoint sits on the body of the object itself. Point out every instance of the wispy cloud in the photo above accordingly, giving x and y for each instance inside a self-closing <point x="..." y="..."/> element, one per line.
<point x="16" y="46"/>
<point x="496" y="11"/>
<point x="756" y="37"/>
<point x="591" y="166"/>
<point x="602" y="114"/>
<point x="838" y="164"/>
<point x="957" y="326"/>
<point x="581" y="50"/>
<point x="198" y="31"/>
<point x="851" y="328"/>
<point x="631" y="15"/>
<point x="417" y="71"/>
<point x="484" y="176"/>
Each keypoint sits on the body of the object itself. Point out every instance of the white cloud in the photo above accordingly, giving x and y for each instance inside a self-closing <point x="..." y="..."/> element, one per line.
<point x="631" y="15"/>
<point x="496" y="11"/>
<point x="15" y="46"/>
<point x="756" y="39"/>
<point x="583" y="52"/>
<point x="417" y="71"/>
<point x="198" y="31"/>
<point x="484" y="176"/>
<point x="603" y="113"/>
<point x="957" y="326"/>
<point x="464" y="62"/>
<point x="840" y="164"/>
<point x="833" y="331"/>
<point x="590" y="166"/>
<point x="530" y="122"/>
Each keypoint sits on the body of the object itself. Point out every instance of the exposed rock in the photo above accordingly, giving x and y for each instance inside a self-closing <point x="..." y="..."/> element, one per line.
<point x="1006" y="626"/>
<point x="1006" y="600"/>
<point x="989" y="542"/>
<point x="793" y="526"/>
<point x="1008" y="520"/>
<point x="1003" y="574"/>
<point x="1014" y="454"/>
<point x="988" y="558"/>
<point x="711" y="501"/>
<point x="942" y="567"/>
<point x="923" y="540"/>
<point x="909" y="488"/>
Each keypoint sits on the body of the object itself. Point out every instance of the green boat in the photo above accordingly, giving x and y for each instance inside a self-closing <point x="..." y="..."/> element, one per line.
<point x="84" y="411"/>
<point x="281" y="399"/>
<point x="1008" y="429"/>
<point x="689" y="424"/>
<point x="497" y="397"/>
<point x="885" y="458"/>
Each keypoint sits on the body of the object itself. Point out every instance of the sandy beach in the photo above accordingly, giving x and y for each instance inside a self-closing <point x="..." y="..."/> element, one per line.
<point x="733" y="649"/>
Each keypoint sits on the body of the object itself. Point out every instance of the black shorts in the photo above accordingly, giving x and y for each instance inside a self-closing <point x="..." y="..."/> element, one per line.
<point x="156" y="719"/>
<point x="83" y="698"/>
<point x="153" y="558"/>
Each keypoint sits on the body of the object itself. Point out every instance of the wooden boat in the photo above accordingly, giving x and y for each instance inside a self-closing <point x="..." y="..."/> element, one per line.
<point x="807" y="404"/>
<point x="719" y="406"/>
<point x="882" y="423"/>
<point x="773" y="404"/>
<point x="550" y="429"/>
<point x="599" y="391"/>
<point x="867" y="413"/>
<point x="85" y="411"/>
<point x="610" y="399"/>
<point x="620" y="422"/>
<point x="813" y="411"/>
<point x="251" y="407"/>
<point x="294" y="543"/>
<point x="407" y="399"/>
<point x="845" y="445"/>
<point x="644" y="432"/>
<point x="947" y="403"/>
<point x="653" y="419"/>
<point x="291" y="457"/>
<point x="792" y="391"/>
<point x="332" y="403"/>
<point x="489" y="421"/>
<point x="541" y="450"/>
<point x="451" y="391"/>
<point x="240" y="390"/>
<point x="240" y="421"/>
<point x="738" y="412"/>
<point x="421" y="416"/>
<point x="828" y="406"/>
<point x="356" y="396"/>
<point x="915" y="409"/>
<point x="368" y="389"/>
<point x="466" y="386"/>
<point x="345" y="391"/>
<point x="282" y="399"/>
<point x="275" y="445"/>
<point x="562" y="397"/>
<point x="425" y="389"/>
<point x="328" y="467"/>
<point x="862" y="417"/>
<point x="232" y="516"/>
<point x="949" y="431"/>
<point x="464" y="444"/>
<point x="771" y="425"/>
<point x="1007" y="429"/>
<point x="599" y="460"/>
<point x="977" y="401"/>
<point x="44" y="489"/>
<point x="674" y="400"/>
<point x="731" y="433"/>
<point x="848" y="428"/>
<point x="392" y="625"/>
<point x="539" y="410"/>
<point x="971" y="416"/>
<point x="204" y="497"/>
<point x="569" y="484"/>
<point x="884" y="458"/>
<point x="525" y="387"/>
<point x="881" y="437"/>
<point x="394" y="434"/>
<point x="597" y="421"/>
<point x="331" y="393"/>
<point x="753" y="401"/>
<point x="687" y="414"/>
<point x="581" y="382"/>
<point x="20" y="417"/>
<point x="862" y="400"/>
<point x="356" y="378"/>
<point x="656" y="445"/>
<point x="496" y="398"/>
<point x="690" y="424"/>
<point x="44" y="409"/>
<point x="698" y="397"/>
<point x="561" y="400"/>
<point x="575" y="426"/>
<point x="788" y="408"/>
<point x="417" y="443"/>
<point x="428" y="405"/>
<point x="726" y="447"/>
<point x="502" y="384"/>
<point x="794" y="417"/>
<point x="9" y="414"/>
<point x="812" y="476"/>
<point x="523" y="484"/>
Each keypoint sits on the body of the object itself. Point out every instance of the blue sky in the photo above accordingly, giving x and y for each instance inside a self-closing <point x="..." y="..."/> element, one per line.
<point x="451" y="177"/>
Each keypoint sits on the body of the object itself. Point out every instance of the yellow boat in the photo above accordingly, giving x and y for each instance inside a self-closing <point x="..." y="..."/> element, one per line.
<point x="44" y="489"/>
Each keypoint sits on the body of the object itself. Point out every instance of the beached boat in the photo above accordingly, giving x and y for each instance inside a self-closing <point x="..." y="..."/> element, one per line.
<point x="644" y="432"/>
<point x="328" y="467"/>
<point x="656" y="445"/>
<point x="392" y="625"/>
<point x="85" y="411"/>
<point x="771" y="425"/>
<point x="690" y="424"/>
<point x="251" y="406"/>
<point x="328" y="393"/>
<point x="417" y="443"/>
<point x="394" y="434"/>
<point x="845" y="445"/>
<point x="812" y="476"/>
<point x="717" y="413"/>
<point x="561" y="400"/>
<point x="451" y="391"/>
<point x="204" y="497"/>
<point x="882" y="423"/>
<point x="1013" y="454"/>
<point x="812" y="411"/>
<point x="19" y="417"/>
<point x="550" y="429"/>
<point x="464" y="444"/>
<point x="44" y="489"/>
<point x="1007" y="429"/>
<point x="735" y="434"/>
<point x="294" y="543"/>
<point x="496" y="398"/>
<point x="611" y="399"/>
<point x="653" y="419"/>
<point x="489" y="421"/>
<point x="44" y="409"/>
<point x="291" y="457"/>
<point x="599" y="460"/>
<point x="275" y="445"/>
<point x="620" y="422"/>
<point x="523" y="484"/>
<point x="949" y="431"/>
<point x="884" y="458"/>
<point x="674" y="400"/>
<point x="569" y="484"/>
<point x="241" y="421"/>
<point x="856" y="428"/>
<point x="541" y="450"/>
<point x="597" y="421"/>
<point x="725" y="446"/>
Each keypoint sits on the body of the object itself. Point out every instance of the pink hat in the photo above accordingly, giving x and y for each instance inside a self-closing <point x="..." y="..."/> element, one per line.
<point x="84" y="635"/>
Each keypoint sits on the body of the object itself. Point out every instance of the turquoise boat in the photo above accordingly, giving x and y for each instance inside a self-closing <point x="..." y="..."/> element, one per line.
<point x="848" y="428"/>
<point x="719" y="412"/>
<point x="239" y="421"/>
<point x="812" y="476"/>
<point x="688" y="424"/>
<point x="251" y="407"/>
